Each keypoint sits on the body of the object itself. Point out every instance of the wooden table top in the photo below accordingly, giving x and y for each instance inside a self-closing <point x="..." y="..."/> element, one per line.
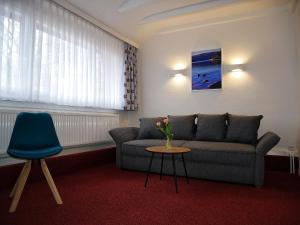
<point x="171" y="150"/>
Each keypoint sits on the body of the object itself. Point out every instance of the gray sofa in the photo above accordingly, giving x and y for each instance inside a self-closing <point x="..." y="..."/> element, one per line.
<point x="221" y="160"/>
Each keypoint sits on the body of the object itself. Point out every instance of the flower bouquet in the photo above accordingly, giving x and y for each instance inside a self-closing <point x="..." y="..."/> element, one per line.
<point x="166" y="128"/>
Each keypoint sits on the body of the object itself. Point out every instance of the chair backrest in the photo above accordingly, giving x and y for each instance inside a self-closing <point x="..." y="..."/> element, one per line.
<point x="33" y="131"/>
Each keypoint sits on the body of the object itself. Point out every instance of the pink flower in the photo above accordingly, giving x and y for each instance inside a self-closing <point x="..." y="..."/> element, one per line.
<point x="166" y="120"/>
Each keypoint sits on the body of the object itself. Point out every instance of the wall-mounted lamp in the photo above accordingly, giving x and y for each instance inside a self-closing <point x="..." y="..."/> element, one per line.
<point x="179" y="73"/>
<point x="179" y="76"/>
<point x="236" y="68"/>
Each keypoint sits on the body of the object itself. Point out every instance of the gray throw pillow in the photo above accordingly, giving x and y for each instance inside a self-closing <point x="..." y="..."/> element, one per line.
<point x="243" y="129"/>
<point x="183" y="127"/>
<point x="211" y="127"/>
<point x="149" y="130"/>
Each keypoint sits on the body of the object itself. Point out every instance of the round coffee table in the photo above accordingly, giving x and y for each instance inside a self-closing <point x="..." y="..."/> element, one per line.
<point x="174" y="151"/>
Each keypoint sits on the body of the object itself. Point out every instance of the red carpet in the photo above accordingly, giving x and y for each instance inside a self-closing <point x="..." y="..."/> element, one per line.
<point x="104" y="195"/>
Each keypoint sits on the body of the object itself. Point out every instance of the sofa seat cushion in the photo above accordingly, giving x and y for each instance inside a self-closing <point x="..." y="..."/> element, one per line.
<point x="221" y="152"/>
<point x="137" y="147"/>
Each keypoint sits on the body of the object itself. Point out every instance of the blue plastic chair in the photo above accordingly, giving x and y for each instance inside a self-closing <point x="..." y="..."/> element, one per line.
<point x="33" y="138"/>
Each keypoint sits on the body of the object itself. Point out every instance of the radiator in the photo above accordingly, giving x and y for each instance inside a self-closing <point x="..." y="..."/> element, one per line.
<point x="72" y="129"/>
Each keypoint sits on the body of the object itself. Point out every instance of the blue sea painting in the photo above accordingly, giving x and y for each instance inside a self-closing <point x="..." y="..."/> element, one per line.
<point x="206" y="70"/>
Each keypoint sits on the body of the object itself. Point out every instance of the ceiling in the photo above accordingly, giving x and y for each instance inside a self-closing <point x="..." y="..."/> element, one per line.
<point x="139" y="19"/>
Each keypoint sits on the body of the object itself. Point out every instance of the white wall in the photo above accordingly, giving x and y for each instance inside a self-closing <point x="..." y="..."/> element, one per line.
<point x="266" y="44"/>
<point x="297" y="29"/>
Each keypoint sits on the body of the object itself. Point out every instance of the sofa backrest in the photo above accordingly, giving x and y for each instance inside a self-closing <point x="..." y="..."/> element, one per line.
<point x="205" y="127"/>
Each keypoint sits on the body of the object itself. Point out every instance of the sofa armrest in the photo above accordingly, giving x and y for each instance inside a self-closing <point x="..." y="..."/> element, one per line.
<point x="123" y="134"/>
<point x="266" y="143"/>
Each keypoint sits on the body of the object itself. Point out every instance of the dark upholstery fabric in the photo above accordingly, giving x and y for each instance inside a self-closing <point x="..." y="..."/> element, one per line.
<point x="211" y="171"/>
<point x="243" y="129"/>
<point x="121" y="135"/>
<point x="34" y="154"/>
<point x="137" y="147"/>
<point x="149" y="130"/>
<point x="211" y="127"/>
<point x="266" y="143"/>
<point x="223" y="161"/>
<point x="33" y="137"/>
<point x="183" y="126"/>
<point x="221" y="153"/>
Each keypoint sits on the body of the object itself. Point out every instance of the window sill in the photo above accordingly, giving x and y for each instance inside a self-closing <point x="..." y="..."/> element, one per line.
<point x="7" y="160"/>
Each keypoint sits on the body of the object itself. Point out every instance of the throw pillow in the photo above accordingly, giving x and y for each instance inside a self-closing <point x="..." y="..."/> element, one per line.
<point x="243" y="129"/>
<point x="149" y="130"/>
<point x="211" y="127"/>
<point x="183" y="127"/>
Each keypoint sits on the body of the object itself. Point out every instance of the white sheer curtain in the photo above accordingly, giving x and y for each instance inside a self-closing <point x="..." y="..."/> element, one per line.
<point x="50" y="55"/>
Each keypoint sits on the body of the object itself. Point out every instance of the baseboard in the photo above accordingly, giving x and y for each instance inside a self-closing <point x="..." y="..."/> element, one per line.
<point x="57" y="165"/>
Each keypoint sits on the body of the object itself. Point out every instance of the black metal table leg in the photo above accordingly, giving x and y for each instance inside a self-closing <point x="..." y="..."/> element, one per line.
<point x="186" y="175"/>
<point x="150" y="164"/>
<point x="174" y="172"/>
<point x="162" y="164"/>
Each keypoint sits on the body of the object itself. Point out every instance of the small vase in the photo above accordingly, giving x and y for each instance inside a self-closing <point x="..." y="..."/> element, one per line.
<point x="168" y="143"/>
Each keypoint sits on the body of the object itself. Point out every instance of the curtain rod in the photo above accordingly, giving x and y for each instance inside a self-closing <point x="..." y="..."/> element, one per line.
<point x="78" y="12"/>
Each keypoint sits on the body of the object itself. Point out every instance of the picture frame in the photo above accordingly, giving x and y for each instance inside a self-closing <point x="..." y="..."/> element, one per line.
<point x="206" y="69"/>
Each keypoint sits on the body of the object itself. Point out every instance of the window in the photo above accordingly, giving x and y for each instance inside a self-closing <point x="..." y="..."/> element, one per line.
<point x="50" y="55"/>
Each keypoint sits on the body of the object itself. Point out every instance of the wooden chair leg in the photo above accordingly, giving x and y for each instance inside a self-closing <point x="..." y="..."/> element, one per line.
<point x="13" y="191"/>
<point x="50" y="182"/>
<point x="20" y="186"/>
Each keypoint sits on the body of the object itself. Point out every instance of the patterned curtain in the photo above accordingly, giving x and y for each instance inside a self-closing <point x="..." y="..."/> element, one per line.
<point x="130" y="78"/>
